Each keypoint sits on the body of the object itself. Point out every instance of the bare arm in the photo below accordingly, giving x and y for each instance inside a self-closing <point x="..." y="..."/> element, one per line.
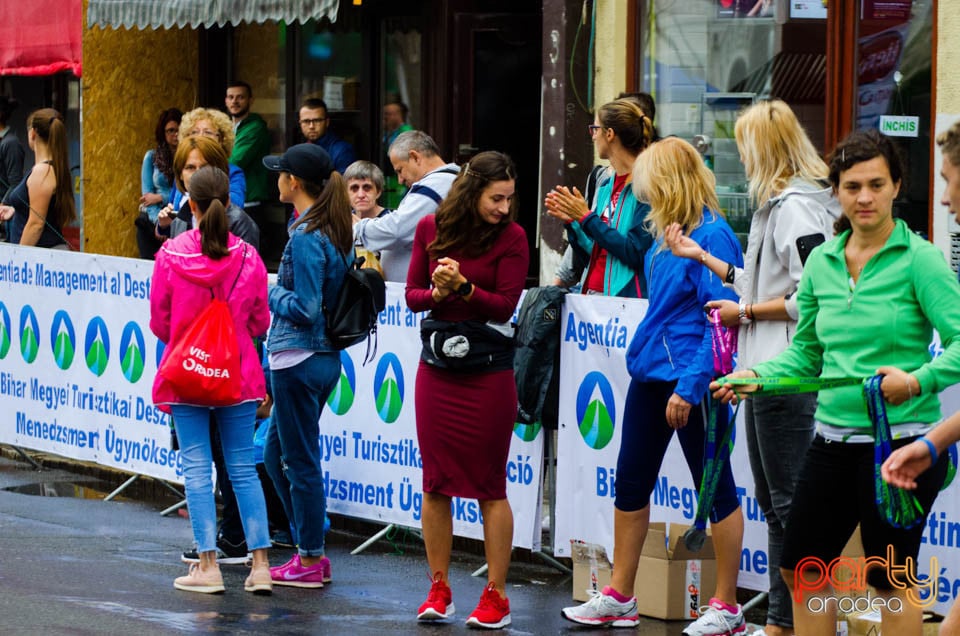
<point x="40" y="187"/>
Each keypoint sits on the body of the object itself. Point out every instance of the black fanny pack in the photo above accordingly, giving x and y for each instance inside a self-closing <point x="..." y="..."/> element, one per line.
<point x="469" y="345"/>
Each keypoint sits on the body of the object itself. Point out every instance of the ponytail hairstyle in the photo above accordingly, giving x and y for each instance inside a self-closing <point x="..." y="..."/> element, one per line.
<point x="459" y="226"/>
<point x="210" y="190"/>
<point x="630" y="124"/>
<point x="49" y="127"/>
<point x="331" y="212"/>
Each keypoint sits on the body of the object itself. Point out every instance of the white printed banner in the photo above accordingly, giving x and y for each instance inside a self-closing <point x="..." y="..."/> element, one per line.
<point x="77" y="362"/>
<point x="593" y="387"/>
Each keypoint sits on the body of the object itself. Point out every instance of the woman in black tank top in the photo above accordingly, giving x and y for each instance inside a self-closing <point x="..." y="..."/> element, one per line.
<point x="41" y="204"/>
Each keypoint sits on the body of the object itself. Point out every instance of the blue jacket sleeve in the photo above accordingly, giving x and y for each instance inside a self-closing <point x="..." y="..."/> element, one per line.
<point x="146" y="174"/>
<point x="148" y="185"/>
<point x="694" y="381"/>
<point x="238" y="186"/>
<point x="303" y="303"/>
<point x="631" y="247"/>
<point x="579" y="241"/>
<point x="343" y="156"/>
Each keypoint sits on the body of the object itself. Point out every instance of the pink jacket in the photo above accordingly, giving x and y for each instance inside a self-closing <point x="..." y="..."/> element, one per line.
<point x="180" y="289"/>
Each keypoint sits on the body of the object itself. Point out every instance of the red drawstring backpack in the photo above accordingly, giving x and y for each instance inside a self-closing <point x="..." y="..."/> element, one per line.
<point x="204" y="365"/>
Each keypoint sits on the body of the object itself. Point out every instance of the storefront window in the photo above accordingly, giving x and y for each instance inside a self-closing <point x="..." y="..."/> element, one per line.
<point x="331" y="62"/>
<point x="894" y="50"/>
<point x="704" y="60"/>
<point x="401" y="64"/>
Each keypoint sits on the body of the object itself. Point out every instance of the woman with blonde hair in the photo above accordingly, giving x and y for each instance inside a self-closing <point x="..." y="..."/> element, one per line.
<point x="43" y="202"/>
<point x="670" y="362"/>
<point x="796" y="212"/>
<point x="216" y="125"/>
<point x="612" y="234"/>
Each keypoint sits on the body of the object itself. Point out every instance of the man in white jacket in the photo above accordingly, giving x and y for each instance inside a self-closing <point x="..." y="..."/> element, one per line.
<point x="417" y="162"/>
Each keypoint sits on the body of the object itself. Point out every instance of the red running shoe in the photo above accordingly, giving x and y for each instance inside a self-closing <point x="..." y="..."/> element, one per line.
<point x="493" y="611"/>
<point x="439" y="603"/>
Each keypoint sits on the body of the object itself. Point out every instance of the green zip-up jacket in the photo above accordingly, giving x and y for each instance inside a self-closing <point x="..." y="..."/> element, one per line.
<point x="905" y="291"/>
<point x="251" y="145"/>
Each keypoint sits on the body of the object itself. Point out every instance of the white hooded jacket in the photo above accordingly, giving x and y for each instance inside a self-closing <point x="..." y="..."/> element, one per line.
<point x="772" y="266"/>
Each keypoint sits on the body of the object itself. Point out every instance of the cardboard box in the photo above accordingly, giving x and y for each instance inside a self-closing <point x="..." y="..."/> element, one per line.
<point x="868" y="624"/>
<point x="672" y="582"/>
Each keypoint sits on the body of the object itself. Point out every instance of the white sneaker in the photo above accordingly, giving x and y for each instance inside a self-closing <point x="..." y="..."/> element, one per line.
<point x="603" y="609"/>
<point x="716" y="621"/>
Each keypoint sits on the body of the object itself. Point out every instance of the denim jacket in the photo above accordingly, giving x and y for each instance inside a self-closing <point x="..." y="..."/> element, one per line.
<point x="310" y="275"/>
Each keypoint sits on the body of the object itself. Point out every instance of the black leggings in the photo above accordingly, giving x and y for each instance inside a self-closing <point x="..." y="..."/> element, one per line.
<point x="644" y="441"/>
<point x="835" y="492"/>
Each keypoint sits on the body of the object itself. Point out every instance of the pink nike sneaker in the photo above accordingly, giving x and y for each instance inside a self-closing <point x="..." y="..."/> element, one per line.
<point x="294" y="574"/>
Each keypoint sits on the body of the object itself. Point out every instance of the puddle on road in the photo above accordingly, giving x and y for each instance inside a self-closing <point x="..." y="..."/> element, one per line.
<point x="209" y="621"/>
<point x="84" y="490"/>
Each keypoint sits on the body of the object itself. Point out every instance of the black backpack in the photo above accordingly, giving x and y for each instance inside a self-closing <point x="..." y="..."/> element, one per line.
<point x="537" y="358"/>
<point x="354" y="313"/>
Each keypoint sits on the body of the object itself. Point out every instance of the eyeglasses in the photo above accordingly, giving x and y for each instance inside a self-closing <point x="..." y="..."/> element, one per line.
<point x="356" y="187"/>
<point x="212" y="134"/>
<point x="593" y="128"/>
<point x="312" y="122"/>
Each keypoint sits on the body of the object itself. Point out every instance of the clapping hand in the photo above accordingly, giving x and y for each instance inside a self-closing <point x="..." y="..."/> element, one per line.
<point x="566" y="205"/>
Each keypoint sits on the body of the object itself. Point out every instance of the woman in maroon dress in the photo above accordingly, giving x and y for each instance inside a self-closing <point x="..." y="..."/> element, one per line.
<point x="468" y="268"/>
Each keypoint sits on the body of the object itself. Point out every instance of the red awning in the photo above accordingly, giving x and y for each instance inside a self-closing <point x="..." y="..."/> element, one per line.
<point x="40" y="37"/>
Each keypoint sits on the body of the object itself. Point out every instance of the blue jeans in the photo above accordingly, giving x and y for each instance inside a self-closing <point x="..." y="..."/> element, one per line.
<point x="236" y="436"/>
<point x="779" y="431"/>
<point x="291" y="453"/>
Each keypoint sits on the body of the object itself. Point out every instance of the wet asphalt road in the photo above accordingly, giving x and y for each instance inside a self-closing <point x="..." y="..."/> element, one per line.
<point x="84" y="566"/>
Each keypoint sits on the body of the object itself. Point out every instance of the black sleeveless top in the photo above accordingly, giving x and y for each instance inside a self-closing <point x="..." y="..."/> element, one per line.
<point x="19" y="198"/>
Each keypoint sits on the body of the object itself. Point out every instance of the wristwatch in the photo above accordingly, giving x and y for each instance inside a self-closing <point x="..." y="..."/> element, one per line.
<point x="465" y="288"/>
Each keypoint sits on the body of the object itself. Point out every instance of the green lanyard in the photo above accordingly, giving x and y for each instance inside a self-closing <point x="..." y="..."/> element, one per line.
<point x="716" y="456"/>
<point x="791" y="386"/>
<point x="898" y="507"/>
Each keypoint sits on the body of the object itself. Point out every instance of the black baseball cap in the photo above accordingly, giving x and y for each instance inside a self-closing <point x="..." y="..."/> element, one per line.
<point x="309" y="162"/>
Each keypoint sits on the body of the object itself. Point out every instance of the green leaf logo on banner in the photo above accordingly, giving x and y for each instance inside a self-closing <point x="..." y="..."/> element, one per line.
<point x="4" y="331"/>
<point x="29" y="345"/>
<point x="596" y="410"/>
<point x="388" y="388"/>
<point x="96" y="344"/>
<point x="527" y="432"/>
<point x="345" y="390"/>
<point x="131" y="352"/>
<point x="63" y="340"/>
